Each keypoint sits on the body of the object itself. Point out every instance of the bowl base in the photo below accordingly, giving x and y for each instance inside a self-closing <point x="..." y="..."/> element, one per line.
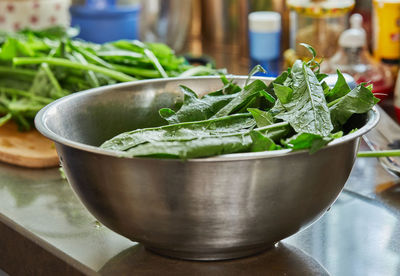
<point x="211" y="256"/>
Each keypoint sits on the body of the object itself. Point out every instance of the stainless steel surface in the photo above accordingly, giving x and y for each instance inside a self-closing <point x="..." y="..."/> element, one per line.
<point x="358" y="236"/>
<point x="205" y="209"/>
<point x="283" y="259"/>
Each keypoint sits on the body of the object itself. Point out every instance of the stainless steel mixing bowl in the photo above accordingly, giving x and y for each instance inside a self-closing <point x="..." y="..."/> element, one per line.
<point x="205" y="209"/>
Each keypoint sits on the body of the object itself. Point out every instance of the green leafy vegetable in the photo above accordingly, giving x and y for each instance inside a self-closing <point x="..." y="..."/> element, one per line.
<point x="262" y="142"/>
<point x="297" y="111"/>
<point x="284" y="93"/>
<point x="192" y="148"/>
<point x="195" y="109"/>
<point x="45" y="84"/>
<point x="357" y="101"/>
<point x="307" y="111"/>
<point x="340" y="89"/>
<point x="236" y="124"/>
<point x="74" y="65"/>
<point x="49" y="63"/>
<point x="255" y="70"/>
<point x="243" y="97"/>
<point x="263" y="118"/>
<point x="307" y="141"/>
<point x="310" y="49"/>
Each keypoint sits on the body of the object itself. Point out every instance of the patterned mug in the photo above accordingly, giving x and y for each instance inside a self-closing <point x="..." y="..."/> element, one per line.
<point x="34" y="14"/>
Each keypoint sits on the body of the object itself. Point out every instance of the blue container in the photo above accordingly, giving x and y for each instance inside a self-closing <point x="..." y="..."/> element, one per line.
<point x="108" y="24"/>
<point x="264" y="41"/>
<point x="265" y="46"/>
<point x="265" y="51"/>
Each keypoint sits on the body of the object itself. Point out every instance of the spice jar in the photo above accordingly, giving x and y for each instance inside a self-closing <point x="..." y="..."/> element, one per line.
<point x="386" y="33"/>
<point x="318" y="23"/>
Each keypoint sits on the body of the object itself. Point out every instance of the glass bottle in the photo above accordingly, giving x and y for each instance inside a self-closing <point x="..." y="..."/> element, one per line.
<point x="352" y="57"/>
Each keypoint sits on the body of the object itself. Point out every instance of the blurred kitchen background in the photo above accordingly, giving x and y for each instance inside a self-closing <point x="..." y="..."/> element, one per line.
<point x="361" y="37"/>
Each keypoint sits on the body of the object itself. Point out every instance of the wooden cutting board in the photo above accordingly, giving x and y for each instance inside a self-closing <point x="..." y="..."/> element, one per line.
<point x="28" y="149"/>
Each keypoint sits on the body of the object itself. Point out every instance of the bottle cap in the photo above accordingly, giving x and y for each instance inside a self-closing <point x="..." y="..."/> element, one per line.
<point x="321" y="8"/>
<point x="354" y="37"/>
<point x="264" y="21"/>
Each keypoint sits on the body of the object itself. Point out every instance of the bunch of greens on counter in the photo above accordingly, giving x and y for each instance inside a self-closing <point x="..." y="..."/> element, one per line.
<point x="38" y="67"/>
<point x="298" y="110"/>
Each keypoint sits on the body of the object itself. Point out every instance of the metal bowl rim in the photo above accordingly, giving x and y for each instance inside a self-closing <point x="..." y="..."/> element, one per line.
<point x="41" y="125"/>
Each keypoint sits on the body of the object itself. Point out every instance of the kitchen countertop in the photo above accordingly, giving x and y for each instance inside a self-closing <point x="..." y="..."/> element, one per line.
<point x="45" y="230"/>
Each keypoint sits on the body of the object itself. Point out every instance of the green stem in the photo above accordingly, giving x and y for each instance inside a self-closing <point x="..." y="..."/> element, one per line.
<point x="23" y="124"/>
<point x="51" y="77"/>
<point x="381" y="153"/>
<point x="3" y="108"/>
<point x="152" y="57"/>
<point x="76" y="65"/>
<point x="148" y="73"/>
<point x="71" y="79"/>
<point x="198" y="70"/>
<point x="91" y="57"/>
<point x="5" y="119"/>
<point x="277" y="125"/>
<point x="23" y="73"/>
<point x="12" y="91"/>
<point x="333" y="102"/>
<point x="91" y="76"/>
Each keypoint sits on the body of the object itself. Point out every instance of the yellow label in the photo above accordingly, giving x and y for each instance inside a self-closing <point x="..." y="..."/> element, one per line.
<point x="386" y="29"/>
